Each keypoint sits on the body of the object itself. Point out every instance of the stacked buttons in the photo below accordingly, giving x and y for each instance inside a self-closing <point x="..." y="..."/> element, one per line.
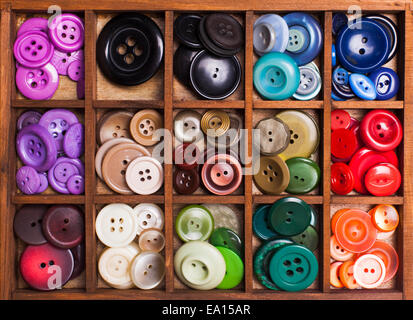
<point x="364" y="154"/>
<point x="134" y="241"/>
<point x="289" y="232"/>
<point x="123" y="161"/>
<point x="206" y="265"/>
<point x="361" y="48"/>
<point x="50" y="146"/>
<point x="286" y="143"/>
<point x="206" y="59"/>
<point x="359" y="246"/>
<point x="55" y="251"/>
<point x="287" y="47"/>
<point x="44" y="50"/>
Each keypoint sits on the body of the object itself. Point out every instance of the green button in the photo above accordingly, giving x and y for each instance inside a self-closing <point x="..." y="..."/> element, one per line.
<point x="304" y="175"/>
<point x="262" y="258"/>
<point x="234" y="269"/>
<point x="308" y="238"/>
<point x="314" y="217"/>
<point x="224" y="237"/>
<point x="194" y="222"/>
<point x="260" y="223"/>
<point x="290" y="216"/>
<point x="293" y="268"/>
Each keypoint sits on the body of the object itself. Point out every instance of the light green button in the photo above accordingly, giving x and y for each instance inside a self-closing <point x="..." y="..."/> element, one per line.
<point x="194" y="222"/>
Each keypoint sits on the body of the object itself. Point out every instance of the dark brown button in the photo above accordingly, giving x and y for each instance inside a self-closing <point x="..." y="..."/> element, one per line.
<point x="28" y="224"/>
<point x="63" y="226"/>
<point x="224" y="30"/>
<point x="186" y="181"/>
<point x="78" y="253"/>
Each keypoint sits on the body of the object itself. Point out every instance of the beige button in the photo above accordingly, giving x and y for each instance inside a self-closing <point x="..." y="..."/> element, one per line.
<point x="143" y="126"/>
<point x="273" y="136"/>
<point x="152" y="240"/>
<point x="233" y="135"/>
<point x="148" y="216"/>
<point x="187" y="126"/>
<point x="116" y="162"/>
<point x="114" y="124"/>
<point x="148" y="270"/>
<point x="215" y="123"/>
<point x="144" y="175"/>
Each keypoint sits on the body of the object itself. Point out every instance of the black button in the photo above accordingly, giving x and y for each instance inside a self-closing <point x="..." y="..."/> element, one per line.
<point x="182" y="63"/>
<point x="78" y="253"/>
<point x="186" y="30"/>
<point x="28" y="224"/>
<point x="130" y="49"/>
<point x="225" y="31"/>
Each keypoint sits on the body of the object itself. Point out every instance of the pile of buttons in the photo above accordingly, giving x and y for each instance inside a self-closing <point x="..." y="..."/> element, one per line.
<point x="361" y="256"/>
<point x="206" y="60"/>
<point x="44" y="50"/>
<point x="206" y="265"/>
<point x="122" y="161"/>
<point x="221" y="171"/>
<point x="285" y="261"/>
<point x="364" y="153"/>
<point x="286" y="142"/>
<point x="126" y="262"/>
<point x="361" y="48"/>
<point x="287" y="46"/>
<point x="130" y="49"/>
<point x="50" y="146"/>
<point x="55" y="251"/>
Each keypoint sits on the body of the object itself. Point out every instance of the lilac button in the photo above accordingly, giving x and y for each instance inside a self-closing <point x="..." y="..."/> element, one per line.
<point x="57" y="122"/>
<point x="62" y="60"/>
<point x="57" y="172"/>
<point x="73" y="141"/>
<point x="28" y="118"/>
<point x="38" y="24"/>
<point x="28" y="180"/>
<point x="67" y="32"/>
<point x="63" y="171"/>
<point x="43" y="183"/>
<point x="39" y="83"/>
<point x="76" y="70"/>
<point x="36" y="147"/>
<point x="76" y="184"/>
<point x="80" y="88"/>
<point x="32" y="49"/>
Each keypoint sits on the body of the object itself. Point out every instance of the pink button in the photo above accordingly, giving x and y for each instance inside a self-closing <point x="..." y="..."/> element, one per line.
<point x="67" y="32"/>
<point x="369" y="271"/>
<point x="32" y="49"/>
<point x="222" y="174"/>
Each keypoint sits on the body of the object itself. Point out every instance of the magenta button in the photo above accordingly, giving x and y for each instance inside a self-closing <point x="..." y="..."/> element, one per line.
<point x="67" y="32"/>
<point x="32" y="49"/>
<point x="33" y="24"/>
<point x="76" y="70"/>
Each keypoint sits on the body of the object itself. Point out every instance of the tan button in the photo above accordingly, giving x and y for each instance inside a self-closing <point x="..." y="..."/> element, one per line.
<point x="116" y="162"/>
<point x="187" y="126"/>
<point x="273" y="136"/>
<point x="114" y="124"/>
<point x="143" y="126"/>
<point x="152" y="240"/>
<point x="272" y="176"/>
<point x="233" y="135"/>
<point x="144" y="175"/>
<point x="215" y="123"/>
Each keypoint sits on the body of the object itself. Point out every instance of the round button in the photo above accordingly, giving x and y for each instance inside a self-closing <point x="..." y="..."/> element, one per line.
<point x="340" y="76"/>
<point x="143" y="126"/>
<point x="381" y="130"/>
<point x="27" y="118"/>
<point x="304" y="134"/>
<point x="152" y="240"/>
<point x="28" y="180"/>
<point x="270" y="34"/>
<point x="224" y="216"/>
<point x="32" y="49"/>
<point x="334" y="276"/>
<point x="62" y="170"/>
<point x="187" y="126"/>
<point x="342" y="178"/>
<point x="333" y="56"/>
<point x="340" y="119"/>
<point x="63" y="226"/>
<point x="293" y="267"/>
<point x="114" y="265"/>
<point x="335" y="217"/>
<point x="114" y="124"/>
<point x="385" y="217"/>
<point x="147" y="270"/>
<point x="183" y="57"/>
<point x="310" y="84"/>
<point x="73" y="141"/>
<point x="76" y="70"/>
<point x="224" y="237"/>
<point x="67" y="32"/>
<point x="186" y="181"/>
<point x="76" y="184"/>
<point x="215" y="123"/>
<point x="383" y="180"/>
<point x="343" y="143"/>
<point x="186" y="28"/>
<point x="346" y="274"/>
<point x="386" y="83"/>
<point x="194" y="223"/>
<point x="115" y="225"/>
<point x="148" y="215"/>
<point x="299" y="39"/>
<point x="369" y="271"/>
<point x="337" y="252"/>
<point x="272" y="176"/>
<point x="389" y="255"/>
<point x="261" y="224"/>
<point x="144" y="175"/>
<point x="234" y="269"/>
<point x="27" y="224"/>
<point x="224" y="31"/>
<point x="289" y="216"/>
<point x="273" y="136"/>
<point x="342" y="92"/>
<point x="308" y="238"/>
<point x="186" y="156"/>
<point x="80" y="89"/>
<point x="362" y="86"/>
<point x="79" y="258"/>
<point x="340" y="20"/>
<point x="44" y="183"/>
<point x="304" y="175"/>
<point x="35" y="23"/>
<point x="62" y="60"/>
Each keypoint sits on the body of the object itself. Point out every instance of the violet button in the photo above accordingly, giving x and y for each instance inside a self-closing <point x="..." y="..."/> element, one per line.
<point x="28" y="118"/>
<point x="33" y="24"/>
<point x="62" y="60"/>
<point x="80" y="88"/>
<point x="73" y="141"/>
<point x="66" y="32"/>
<point x="76" y="70"/>
<point x="32" y="49"/>
<point x="44" y="183"/>
<point x="76" y="184"/>
<point x="27" y="180"/>
<point x="57" y="172"/>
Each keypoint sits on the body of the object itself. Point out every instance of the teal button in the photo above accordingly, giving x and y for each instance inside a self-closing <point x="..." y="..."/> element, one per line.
<point x="260" y="223"/>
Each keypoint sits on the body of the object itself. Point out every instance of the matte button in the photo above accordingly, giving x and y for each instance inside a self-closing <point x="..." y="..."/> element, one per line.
<point x="304" y="175"/>
<point x="148" y="215"/>
<point x="27" y="224"/>
<point x="382" y="180"/>
<point x="299" y="39"/>
<point x="310" y="84"/>
<point x="44" y="183"/>
<point x="186" y="28"/>
<point x="215" y="123"/>
<point x="62" y="170"/>
<point x="182" y="63"/>
<point x="63" y="226"/>
<point x="148" y="270"/>
<point x="67" y="32"/>
<point x="74" y="141"/>
<point x="224" y="237"/>
<point x="224" y="31"/>
<point x="340" y="20"/>
<point x="308" y="238"/>
<point x="343" y="143"/>
<point x="186" y="181"/>
<point x="234" y="269"/>
<point x="342" y="179"/>
<point x="194" y="223"/>
<point x="362" y="86"/>
<point x="386" y="82"/>
<point x="334" y="276"/>
<point x="152" y="240"/>
<point x="32" y="49"/>
<point x="144" y="175"/>
<point x="270" y="34"/>
<point x="233" y="135"/>
<point x="389" y="255"/>
<point x="272" y="176"/>
<point x="261" y="224"/>
<point x="76" y="184"/>
<point x="187" y="126"/>
<point x="80" y="89"/>
<point x="27" y="180"/>
<point x="346" y="274"/>
<point x="224" y="216"/>
<point x="340" y="119"/>
<point x="337" y="252"/>
<point x="273" y="136"/>
<point x="35" y="23"/>
<point x="369" y="271"/>
<point x="385" y="217"/>
<point x="79" y="258"/>
<point x="38" y="266"/>
<point x="114" y="124"/>
<point x="27" y="118"/>
<point x="62" y="60"/>
<point x="143" y="126"/>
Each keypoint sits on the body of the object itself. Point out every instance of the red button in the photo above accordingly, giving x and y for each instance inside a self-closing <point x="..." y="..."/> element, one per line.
<point x="342" y="179"/>
<point x="186" y="156"/>
<point x="381" y="130"/>
<point x="343" y="143"/>
<point x="383" y="179"/>
<point x="340" y="119"/>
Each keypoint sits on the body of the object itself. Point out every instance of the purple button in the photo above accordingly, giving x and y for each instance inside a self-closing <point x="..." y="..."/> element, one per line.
<point x="36" y="147"/>
<point x="27" y="180"/>
<point x="73" y="141"/>
<point x="67" y="32"/>
<point x="80" y="89"/>
<point x="62" y="60"/>
<point x="43" y="183"/>
<point x="28" y="118"/>
<point x="32" y="49"/>
<point x="76" y="70"/>
<point x="57" y="122"/>
<point x="56" y="172"/>
<point x="63" y="171"/>
<point x="32" y="24"/>
<point x="76" y="184"/>
<point x="39" y="83"/>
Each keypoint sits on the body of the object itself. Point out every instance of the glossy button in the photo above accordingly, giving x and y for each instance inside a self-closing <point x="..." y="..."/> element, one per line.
<point x="369" y="271"/>
<point x="215" y="123"/>
<point x="27" y="118"/>
<point x="304" y="175"/>
<point x="342" y="178"/>
<point x="385" y="217"/>
<point x="76" y="70"/>
<point x="234" y="269"/>
<point x="194" y="223"/>
<point x="386" y="82"/>
<point x="310" y="84"/>
<point x="67" y="32"/>
<point x="28" y="180"/>
<point x="224" y="31"/>
<point x="62" y="170"/>
<point x="32" y="49"/>
<point x="147" y="270"/>
<point x="340" y="119"/>
<point x="362" y="86"/>
<point x="308" y="238"/>
<point x="273" y="136"/>
<point x="261" y="224"/>
<point x="35" y="23"/>
<point x="62" y="60"/>
<point x="186" y="28"/>
<point x="389" y="255"/>
<point x="182" y="63"/>
<point x="74" y="141"/>
<point x="334" y="276"/>
<point x="343" y="143"/>
<point x="44" y="183"/>
<point x="337" y="252"/>
<point x="341" y="76"/>
<point x="143" y="126"/>
<point x="346" y="274"/>
<point x="224" y="216"/>
<point x="340" y="20"/>
<point x="187" y="126"/>
<point x="144" y="175"/>
<point x="383" y="179"/>
<point x="152" y="240"/>
<point x="224" y="237"/>
<point x="186" y="181"/>
<point x="79" y="258"/>
<point x="27" y="224"/>
<point x="272" y="176"/>
<point x="114" y="124"/>
<point x="76" y="184"/>
<point x="186" y="156"/>
<point x="148" y="215"/>
<point x="270" y="34"/>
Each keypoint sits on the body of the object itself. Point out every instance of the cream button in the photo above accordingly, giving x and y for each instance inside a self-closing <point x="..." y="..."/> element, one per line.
<point x="147" y="216"/>
<point x="144" y="175"/>
<point x="272" y="136"/>
<point x="187" y="126"/>
<point x="152" y="240"/>
<point x="114" y="265"/>
<point x="224" y="216"/>
<point x="115" y="225"/>
<point x="148" y="270"/>
<point x="114" y="124"/>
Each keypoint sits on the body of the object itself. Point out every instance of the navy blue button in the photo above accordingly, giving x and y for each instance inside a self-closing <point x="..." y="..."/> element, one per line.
<point x="340" y="76"/>
<point x="335" y="97"/>
<point x="260" y="224"/>
<point x="333" y="56"/>
<point x="362" y="86"/>
<point x="343" y="91"/>
<point x="386" y="81"/>
<point x="339" y="20"/>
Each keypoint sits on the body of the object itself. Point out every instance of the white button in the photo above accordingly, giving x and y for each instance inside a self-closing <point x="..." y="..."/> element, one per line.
<point x="148" y="215"/>
<point x="144" y="175"/>
<point x="224" y="216"/>
<point x="148" y="270"/>
<point x="116" y="225"/>
<point x="187" y="126"/>
<point x="114" y="265"/>
<point x="151" y="240"/>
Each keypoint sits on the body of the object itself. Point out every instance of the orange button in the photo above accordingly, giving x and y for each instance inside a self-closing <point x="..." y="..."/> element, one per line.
<point x="334" y="276"/>
<point x="369" y="271"/>
<point x="347" y="276"/>
<point x="337" y="215"/>
<point x="385" y="217"/>
<point x="337" y="252"/>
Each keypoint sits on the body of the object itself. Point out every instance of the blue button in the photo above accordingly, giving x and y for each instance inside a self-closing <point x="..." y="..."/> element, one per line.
<point x="310" y="83"/>
<point x="340" y="76"/>
<point x="386" y="81"/>
<point x="340" y="20"/>
<point x="343" y="91"/>
<point x="260" y="224"/>
<point x="335" y="97"/>
<point x="333" y="55"/>
<point x="270" y="34"/>
<point x="298" y="39"/>
<point x="362" y="86"/>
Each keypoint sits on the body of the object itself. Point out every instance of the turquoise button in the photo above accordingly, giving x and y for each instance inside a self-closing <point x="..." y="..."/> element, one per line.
<point x="260" y="223"/>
